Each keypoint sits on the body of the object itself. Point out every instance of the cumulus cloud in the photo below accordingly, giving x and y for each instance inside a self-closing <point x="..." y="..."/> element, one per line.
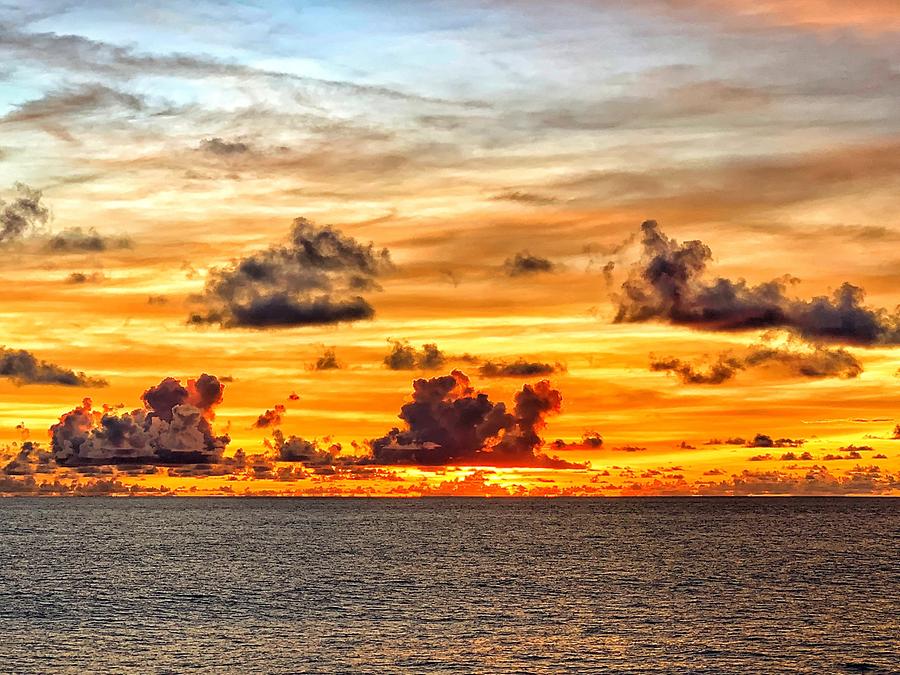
<point x="30" y="459"/>
<point x="819" y="363"/>
<point x="766" y="441"/>
<point x="270" y="418"/>
<point x="518" y="368"/>
<point x="794" y="457"/>
<point x="734" y="440"/>
<point x="670" y="284"/>
<point x="524" y="263"/>
<point x="590" y="440"/>
<point x="327" y="361"/>
<point x="849" y="452"/>
<point x="23" y="367"/>
<point x="404" y="356"/>
<point x="314" y="279"/>
<point x="22" y="215"/>
<point x="173" y="427"/>
<point x="297" y="449"/>
<point x="448" y="422"/>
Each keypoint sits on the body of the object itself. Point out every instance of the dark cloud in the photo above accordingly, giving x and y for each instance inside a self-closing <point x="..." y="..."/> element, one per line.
<point x="270" y="418"/>
<point x="23" y="367"/>
<point x="296" y="449"/>
<point x="76" y="240"/>
<point x="794" y="457"/>
<point x="590" y="440"/>
<point x="524" y="263"/>
<point x="278" y="311"/>
<point x="849" y="452"/>
<point x="819" y="363"/>
<point x="721" y="371"/>
<point x="314" y="279"/>
<point x="448" y="422"/>
<point x="669" y="284"/>
<point x="736" y="440"/>
<point x="404" y="356"/>
<point x="22" y="215"/>
<point x="30" y="459"/>
<point x="173" y="427"/>
<point x="518" y="368"/>
<point x="327" y="361"/>
<point x="218" y="146"/>
<point x="765" y="441"/>
<point x="84" y="278"/>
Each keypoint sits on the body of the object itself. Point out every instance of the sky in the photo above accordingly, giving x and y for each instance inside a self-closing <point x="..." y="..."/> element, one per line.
<point x="508" y="248"/>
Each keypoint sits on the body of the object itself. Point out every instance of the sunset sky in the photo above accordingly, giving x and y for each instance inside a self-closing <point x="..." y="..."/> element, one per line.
<point x="654" y="206"/>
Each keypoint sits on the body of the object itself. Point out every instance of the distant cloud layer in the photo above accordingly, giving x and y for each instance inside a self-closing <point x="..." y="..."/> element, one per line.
<point x="670" y="284"/>
<point x="315" y="279"/>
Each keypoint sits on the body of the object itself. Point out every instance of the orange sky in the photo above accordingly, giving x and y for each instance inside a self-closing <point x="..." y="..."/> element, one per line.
<point x="456" y="138"/>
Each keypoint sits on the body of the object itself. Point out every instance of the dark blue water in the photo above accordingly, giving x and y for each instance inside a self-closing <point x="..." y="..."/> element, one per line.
<point x="427" y="586"/>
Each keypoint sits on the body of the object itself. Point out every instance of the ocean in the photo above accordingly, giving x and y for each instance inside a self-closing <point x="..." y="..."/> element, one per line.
<point x="247" y="585"/>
